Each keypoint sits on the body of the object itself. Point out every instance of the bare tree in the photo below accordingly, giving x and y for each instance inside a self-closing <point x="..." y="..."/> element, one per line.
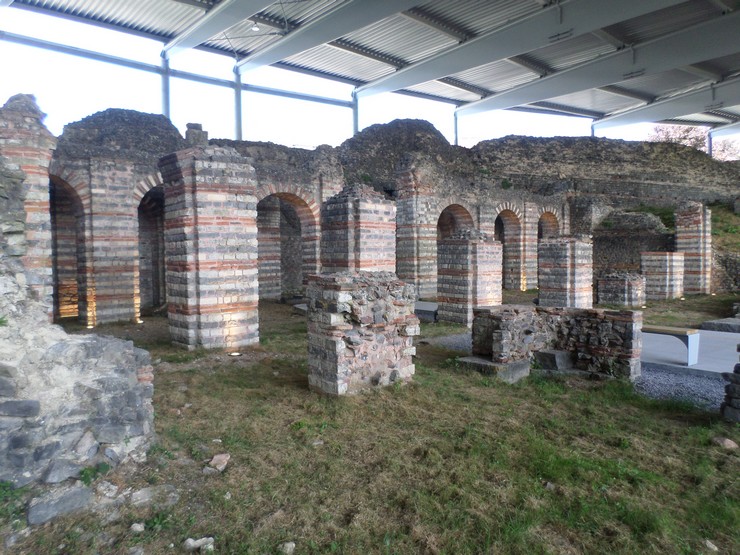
<point x="695" y="137"/>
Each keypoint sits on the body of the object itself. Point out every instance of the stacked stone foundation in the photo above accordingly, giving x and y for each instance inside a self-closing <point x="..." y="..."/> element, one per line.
<point x="664" y="274"/>
<point x="360" y="331"/>
<point x="607" y="342"/>
<point x="623" y="289"/>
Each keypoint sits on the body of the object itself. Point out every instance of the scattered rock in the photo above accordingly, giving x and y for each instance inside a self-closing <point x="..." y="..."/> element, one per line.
<point x="220" y="461"/>
<point x="137" y="527"/>
<point x="317" y="442"/>
<point x="136" y="550"/>
<point x="710" y="546"/>
<point x="58" y="502"/>
<point x="725" y="442"/>
<point x="106" y="489"/>
<point x="227" y="495"/>
<point x="203" y="545"/>
<point x="209" y="470"/>
<point x="288" y="548"/>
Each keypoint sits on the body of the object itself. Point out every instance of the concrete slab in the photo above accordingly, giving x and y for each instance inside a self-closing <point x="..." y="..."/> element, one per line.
<point x="717" y="353"/>
<point x="426" y="311"/>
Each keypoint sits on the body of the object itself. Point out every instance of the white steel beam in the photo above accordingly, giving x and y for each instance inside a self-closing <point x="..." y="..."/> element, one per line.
<point x="711" y="39"/>
<point x="4" y="3"/>
<point x="219" y="18"/>
<point x="563" y="20"/>
<point x="723" y="130"/>
<point x="345" y="18"/>
<point x="705" y="99"/>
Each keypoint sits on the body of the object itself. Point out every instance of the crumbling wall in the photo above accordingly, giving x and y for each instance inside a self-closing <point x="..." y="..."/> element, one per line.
<point x="602" y="341"/>
<point x="622" y="236"/>
<point x="66" y="402"/>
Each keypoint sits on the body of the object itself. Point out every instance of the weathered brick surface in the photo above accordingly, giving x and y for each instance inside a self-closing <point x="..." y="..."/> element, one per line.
<point x="566" y="272"/>
<point x="360" y="331"/>
<point x="663" y="273"/>
<point x="603" y="341"/>
<point x="211" y="248"/>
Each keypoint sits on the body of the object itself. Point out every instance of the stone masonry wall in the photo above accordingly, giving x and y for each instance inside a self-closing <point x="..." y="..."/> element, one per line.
<point x="566" y="272"/>
<point x="66" y="402"/>
<point x="358" y="228"/>
<point x="694" y="240"/>
<point x="603" y="341"/>
<point x="621" y="289"/>
<point x="211" y="248"/>
<point x="360" y="331"/>
<point x="663" y="273"/>
<point x="469" y="268"/>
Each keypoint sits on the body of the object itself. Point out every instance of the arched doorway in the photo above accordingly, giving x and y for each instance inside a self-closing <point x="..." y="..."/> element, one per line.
<point x="508" y="231"/>
<point x="453" y="219"/>
<point x="73" y="293"/>
<point x="547" y="226"/>
<point x="288" y="238"/>
<point x="152" y="290"/>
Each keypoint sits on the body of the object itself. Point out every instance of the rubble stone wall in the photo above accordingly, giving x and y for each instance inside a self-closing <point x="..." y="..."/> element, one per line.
<point x="360" y="331"/>
<point x="603" y="341"/>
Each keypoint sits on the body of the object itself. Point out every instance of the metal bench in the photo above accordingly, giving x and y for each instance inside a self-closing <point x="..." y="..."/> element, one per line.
<point x="689" y="337"/>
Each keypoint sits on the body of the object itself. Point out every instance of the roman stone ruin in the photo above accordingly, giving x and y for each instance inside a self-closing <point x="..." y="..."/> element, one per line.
<point x="121" y="216"/>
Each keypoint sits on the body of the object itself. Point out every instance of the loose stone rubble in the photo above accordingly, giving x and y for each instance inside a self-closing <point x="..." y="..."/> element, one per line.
<point x="730" y="408"/>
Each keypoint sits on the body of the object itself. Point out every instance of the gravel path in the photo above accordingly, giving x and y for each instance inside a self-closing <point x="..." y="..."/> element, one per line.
<point x="706" y="392"/>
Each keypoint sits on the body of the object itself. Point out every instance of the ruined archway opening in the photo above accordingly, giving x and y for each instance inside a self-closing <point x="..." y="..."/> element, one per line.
<point x="152" y="289"/>
<point x="507" y="230"/>
<point x="68" y="252"/>
<point x="452" y="220"/>
<point x="287" y="236"/>
<point x="547" y="227"/>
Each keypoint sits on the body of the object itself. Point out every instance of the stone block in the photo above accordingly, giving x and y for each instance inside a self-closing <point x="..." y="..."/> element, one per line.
<point x="7" y="387"/>
<point x="510" y="372"/>
<point x="555" y="360"/>
<point x="57" y="503"/>
<point x="22" y="408"/>
<point x="61" y="469"/>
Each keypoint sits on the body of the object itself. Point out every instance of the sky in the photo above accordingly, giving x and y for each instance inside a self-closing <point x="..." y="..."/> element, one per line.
<point x="68" y="88"/>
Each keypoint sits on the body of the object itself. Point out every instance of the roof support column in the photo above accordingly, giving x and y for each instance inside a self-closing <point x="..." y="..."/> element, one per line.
<point x="355" y="114"/>
<point x="237" y="105"/>
<point x="165" y="86"/>
<point x="457" y="134"/>
<point x="709" y="144"/>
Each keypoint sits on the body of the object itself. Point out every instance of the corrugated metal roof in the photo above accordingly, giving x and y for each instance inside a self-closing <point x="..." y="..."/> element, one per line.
<point x="418" y="36"/>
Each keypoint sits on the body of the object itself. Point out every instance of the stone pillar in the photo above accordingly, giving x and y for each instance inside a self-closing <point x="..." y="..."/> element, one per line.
<point x="694" y="239"/>
<point x="621" y="289"/>
<point x="663" y="273"/>
<point x="566" y="272"/>
<point x="360" y="331"/>
<point x="469" y="275"/>
<point x="358" y="232"/>
<point x="211" y="248"/>
<point x="529" y="246"/>
<point x="270" y="264"/>
<point x="27" y="145"/>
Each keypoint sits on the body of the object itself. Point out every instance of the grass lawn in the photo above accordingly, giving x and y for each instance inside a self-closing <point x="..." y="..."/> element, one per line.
<point x="453" y="463"/>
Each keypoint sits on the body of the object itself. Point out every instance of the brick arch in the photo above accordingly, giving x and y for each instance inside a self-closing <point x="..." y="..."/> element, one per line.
<point x="302" y="193"/>
<point x="509" y="230"/>
<point x="548" y="223"/>
<point x="454" y="217"/>
<point x="276" y="234"/>
<point x="73" y="278"/>
<point x="145" y="185"/>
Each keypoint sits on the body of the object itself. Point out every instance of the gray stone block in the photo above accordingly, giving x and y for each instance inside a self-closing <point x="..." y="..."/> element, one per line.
<point x="731" y="325"/>
<point x="7" y="387"/>
<point x="554" y="360"/>
<point x="57" y="503"/>
<point x="730" y="414"/>
<point x="510" y="372"/>
<point x="23" y="408"/>
<point x="61" y="469"/>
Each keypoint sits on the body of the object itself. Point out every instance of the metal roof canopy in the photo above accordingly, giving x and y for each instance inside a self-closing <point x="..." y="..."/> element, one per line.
<point x="448" y="50"/>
